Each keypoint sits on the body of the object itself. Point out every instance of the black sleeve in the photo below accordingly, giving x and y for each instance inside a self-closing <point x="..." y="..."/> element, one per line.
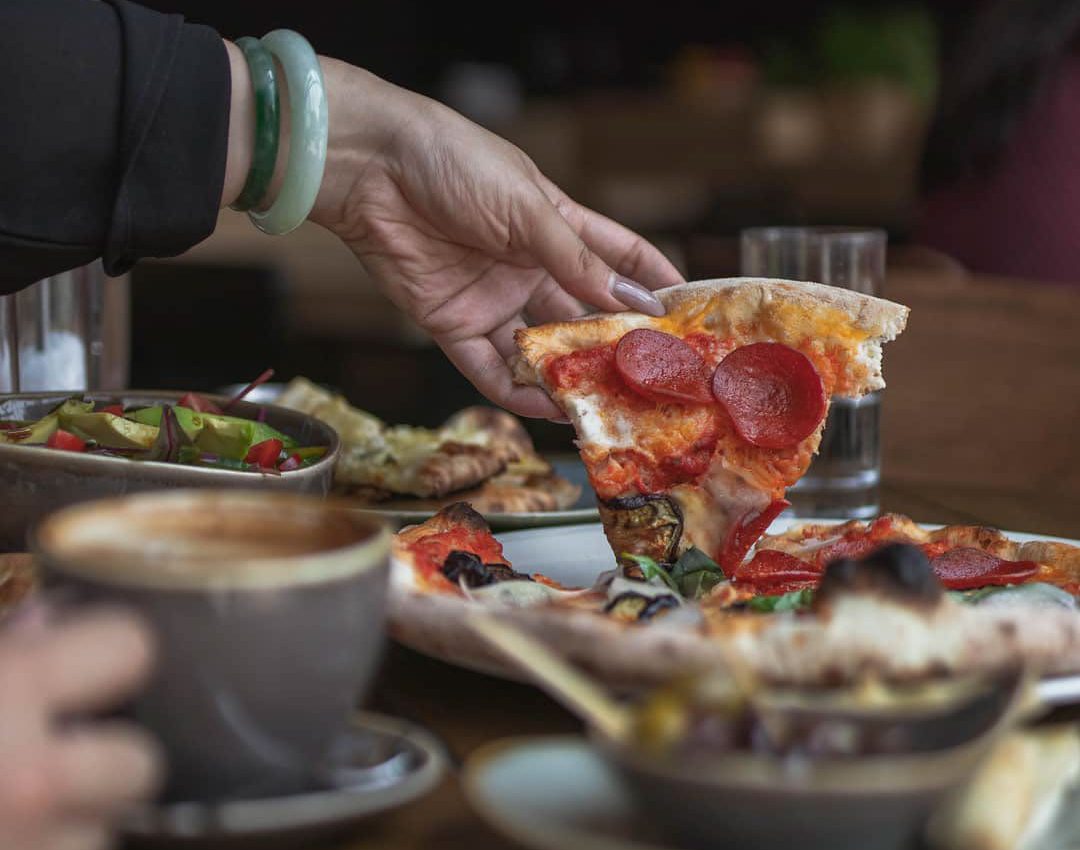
<point x="113" y="135"/>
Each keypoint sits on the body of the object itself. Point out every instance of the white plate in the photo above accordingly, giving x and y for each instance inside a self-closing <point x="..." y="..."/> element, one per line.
<point x="576" y="556"/>
<point x="584" y="510"/>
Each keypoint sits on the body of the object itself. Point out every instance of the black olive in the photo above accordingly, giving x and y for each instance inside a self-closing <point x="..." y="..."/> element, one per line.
<point x="466" y="566"/>
<point x="897" y="569"/>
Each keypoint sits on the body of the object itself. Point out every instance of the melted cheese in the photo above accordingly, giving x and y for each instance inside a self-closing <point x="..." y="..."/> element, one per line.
<point x="713" y="506"/>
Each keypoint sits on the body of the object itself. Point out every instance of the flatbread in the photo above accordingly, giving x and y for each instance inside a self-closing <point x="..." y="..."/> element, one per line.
<point x="1016" y="796"/>
<point x="505" y="493"/>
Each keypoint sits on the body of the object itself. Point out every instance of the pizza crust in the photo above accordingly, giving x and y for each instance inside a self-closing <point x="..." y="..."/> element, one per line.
<point x="791" y="311"/>
<point x="792" y="649"/>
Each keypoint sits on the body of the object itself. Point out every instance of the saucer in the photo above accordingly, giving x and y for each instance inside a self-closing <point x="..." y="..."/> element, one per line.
<point x="551" y="793"/>
<point x="383" y="763"/>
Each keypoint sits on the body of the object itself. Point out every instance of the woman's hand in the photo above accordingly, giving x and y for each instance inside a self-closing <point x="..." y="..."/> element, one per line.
<point x="460" y="228"/>
<point x="61" y="785"/>
<point x="465" y="234"/>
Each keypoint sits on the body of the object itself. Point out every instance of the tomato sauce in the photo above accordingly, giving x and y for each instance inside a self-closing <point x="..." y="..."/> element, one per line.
<point x="672" y="449"/>
<point x="430" y="553"/>
<point x="711" y="348"/>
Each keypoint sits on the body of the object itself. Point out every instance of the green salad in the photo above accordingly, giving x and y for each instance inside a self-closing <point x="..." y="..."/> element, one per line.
<point x="194" y="432"/>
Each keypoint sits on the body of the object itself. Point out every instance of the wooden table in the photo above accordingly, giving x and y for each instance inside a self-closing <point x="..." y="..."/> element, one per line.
<point x="468" y="710"/>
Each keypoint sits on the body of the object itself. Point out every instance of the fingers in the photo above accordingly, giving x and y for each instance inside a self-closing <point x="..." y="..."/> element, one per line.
<point x="502" y="338"/>
<point x="93" y="661"/>
<point x="628" y="253"/>
<point x="77" y="835"/>
<point x="573" y="265"/>
<point x="105" y="768"/>
<point x="479" y="361"/>
<point x="550" y="303"/>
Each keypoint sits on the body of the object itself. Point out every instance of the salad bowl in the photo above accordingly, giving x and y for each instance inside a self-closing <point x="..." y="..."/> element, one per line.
<point x="35" y="480"/>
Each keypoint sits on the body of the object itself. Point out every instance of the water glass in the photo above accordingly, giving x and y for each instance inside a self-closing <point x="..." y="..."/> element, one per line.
<point x="67" y="332"/>
<point x="843" y="480"/>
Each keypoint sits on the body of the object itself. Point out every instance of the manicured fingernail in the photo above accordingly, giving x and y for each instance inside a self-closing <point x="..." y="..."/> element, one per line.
<point x="636" y="297"/>
<point x="559" y="420"/>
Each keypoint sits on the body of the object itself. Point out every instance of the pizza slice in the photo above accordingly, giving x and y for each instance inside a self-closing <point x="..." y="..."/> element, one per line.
<point x="693" y="425"/>
<point x="965" y="558"/>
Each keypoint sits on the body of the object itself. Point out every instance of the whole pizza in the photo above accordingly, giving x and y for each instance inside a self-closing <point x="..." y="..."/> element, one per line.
<point x="692" y="426"/>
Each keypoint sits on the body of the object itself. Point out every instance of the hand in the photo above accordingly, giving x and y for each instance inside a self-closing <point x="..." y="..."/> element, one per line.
<point x="459" y="227"/>
<point x="62" y="785"/>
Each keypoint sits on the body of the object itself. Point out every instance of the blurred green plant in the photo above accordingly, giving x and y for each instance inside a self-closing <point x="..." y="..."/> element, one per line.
<point x="853" y="44"/>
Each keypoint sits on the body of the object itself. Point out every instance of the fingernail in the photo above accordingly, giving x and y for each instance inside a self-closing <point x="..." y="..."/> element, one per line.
<point x="559" y="420"/>
<point x="635" y="296"/>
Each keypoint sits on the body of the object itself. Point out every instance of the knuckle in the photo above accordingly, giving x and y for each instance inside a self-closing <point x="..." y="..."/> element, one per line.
<point x="585" y="259"/>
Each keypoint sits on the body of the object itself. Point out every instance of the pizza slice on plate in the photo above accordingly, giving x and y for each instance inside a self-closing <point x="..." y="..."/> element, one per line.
<point x="693" y="425"/>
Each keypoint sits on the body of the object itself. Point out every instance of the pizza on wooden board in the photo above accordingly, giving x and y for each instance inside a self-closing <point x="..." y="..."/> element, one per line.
<point x="693" y="425"/>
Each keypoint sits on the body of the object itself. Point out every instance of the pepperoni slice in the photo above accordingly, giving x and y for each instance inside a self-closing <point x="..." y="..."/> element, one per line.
<point x="967" y="568"/>
<point x="745" y="533"/>
<point x="662" y="367"/>
<point x="771" y="571"/>
<point x="772" y="393"/>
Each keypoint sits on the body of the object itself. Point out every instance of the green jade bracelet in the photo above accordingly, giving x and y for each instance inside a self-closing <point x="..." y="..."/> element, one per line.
<point x="309" y="113"/>
<point x="267" y="123"/>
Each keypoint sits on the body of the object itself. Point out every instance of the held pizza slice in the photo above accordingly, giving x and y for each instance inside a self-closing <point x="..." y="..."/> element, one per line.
<point x="693" y="425"/>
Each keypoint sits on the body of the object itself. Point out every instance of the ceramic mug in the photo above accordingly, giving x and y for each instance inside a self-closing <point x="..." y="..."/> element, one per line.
<point x="268" y="611"/>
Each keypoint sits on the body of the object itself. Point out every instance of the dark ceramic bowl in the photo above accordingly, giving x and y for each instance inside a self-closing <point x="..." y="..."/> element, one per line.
<point x="34" y="481"/>
<point x="765" y="802"/>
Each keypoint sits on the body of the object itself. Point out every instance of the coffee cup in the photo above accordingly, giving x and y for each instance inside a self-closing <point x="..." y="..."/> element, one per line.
<point x="268" y="611"/>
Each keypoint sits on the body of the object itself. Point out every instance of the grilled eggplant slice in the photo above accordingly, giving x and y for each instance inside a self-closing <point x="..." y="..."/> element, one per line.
<point x="643" y="525"/>
<point x="638" y="608"/>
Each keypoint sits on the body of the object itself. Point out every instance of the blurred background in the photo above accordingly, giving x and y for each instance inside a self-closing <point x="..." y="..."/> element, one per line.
<point x="955" y="126"/>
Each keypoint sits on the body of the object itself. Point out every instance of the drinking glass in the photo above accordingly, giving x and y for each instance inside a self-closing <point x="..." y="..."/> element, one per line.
<point x="843" y="479"/>
<point x="66" y="332"/>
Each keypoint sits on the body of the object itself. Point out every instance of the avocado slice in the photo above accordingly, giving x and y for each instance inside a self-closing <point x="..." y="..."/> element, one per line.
<point x="34" y="434"/>
<point x="189" y="420"/>
<point x="226" y="437"/>
<point x="112" y="431"/>
<point x="193" y="423"/>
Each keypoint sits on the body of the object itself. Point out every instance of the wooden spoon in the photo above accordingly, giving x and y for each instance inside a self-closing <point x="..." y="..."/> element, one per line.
<point x="576" y="691"/>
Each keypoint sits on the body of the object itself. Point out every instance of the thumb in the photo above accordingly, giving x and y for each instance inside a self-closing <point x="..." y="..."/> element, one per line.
<point x="577" y="269"/>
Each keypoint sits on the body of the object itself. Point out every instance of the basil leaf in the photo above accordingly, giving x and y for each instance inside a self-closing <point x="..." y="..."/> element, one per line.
<point x="692" y="561"/>
<point x="792" y="601"/>
<point x="696" y="584"/>
<point x="652" y="570"/>
<point x="973" y="597"/>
